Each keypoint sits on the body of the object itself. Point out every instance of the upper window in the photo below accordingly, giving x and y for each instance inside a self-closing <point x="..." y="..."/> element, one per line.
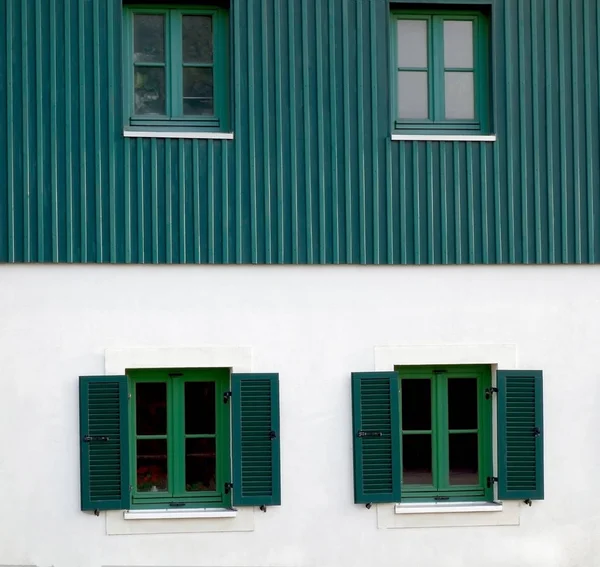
<point x="441" y="65"/>
<point x="176" y="68"/>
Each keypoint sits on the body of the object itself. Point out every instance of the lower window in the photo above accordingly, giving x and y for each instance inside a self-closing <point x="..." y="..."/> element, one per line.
<point x="180" y="437"/>
<point x="446" y="441"/>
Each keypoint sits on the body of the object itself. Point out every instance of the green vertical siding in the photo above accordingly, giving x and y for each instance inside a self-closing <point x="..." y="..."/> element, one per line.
<point x="312" y="175"/>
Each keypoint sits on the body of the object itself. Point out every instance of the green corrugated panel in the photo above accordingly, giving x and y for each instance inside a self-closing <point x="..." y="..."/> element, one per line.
<point x="104" y="442"/>
<point x="256" y="440"/>
<point x="376" y="437"/>
<point x="312" y="175"/>
<point x="520" y="435"/>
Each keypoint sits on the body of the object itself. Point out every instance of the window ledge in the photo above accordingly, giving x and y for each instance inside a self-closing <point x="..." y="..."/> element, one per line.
<point x="170" y="514"/>
<point x="444" y="137"/>
<point x="447" y="507"/>
<point x="180" y="135"/>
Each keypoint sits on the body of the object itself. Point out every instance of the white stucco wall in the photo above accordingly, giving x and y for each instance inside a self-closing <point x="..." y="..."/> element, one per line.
<point x="314" y="326"/>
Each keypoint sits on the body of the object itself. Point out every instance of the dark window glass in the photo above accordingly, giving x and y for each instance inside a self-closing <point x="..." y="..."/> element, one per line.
<point x="149" y="38"/>
<point x="200" y="465"/>
<point x="464" y="459"/>
<point x="152" y="474"/>
<point x="151" y="408"/>
<point x="199" y="408"/>
<point x="462" y="403"/>
<point x="149" y="90"/>
<point x="198" y="89"/>
<point x="417" y="459"/>
<point x="197" y="39"/>
<point x="416" y="404"/>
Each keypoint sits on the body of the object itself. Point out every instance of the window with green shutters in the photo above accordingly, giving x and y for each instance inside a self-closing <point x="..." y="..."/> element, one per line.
<point x="425" y="434"/>
<point x="179" y="438"/>
<point x="176" y="70"/>
<point x="440" y="74"/>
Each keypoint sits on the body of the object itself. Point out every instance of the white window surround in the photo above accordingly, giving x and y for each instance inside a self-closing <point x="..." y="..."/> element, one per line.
<point x="165" y="521"/>
<point x="180" y="135"/>
<point x="409" y="515"/>
<point x="444" y="137"/>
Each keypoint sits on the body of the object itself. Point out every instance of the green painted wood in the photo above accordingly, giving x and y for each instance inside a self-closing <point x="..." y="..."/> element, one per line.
<point x="312" y="175"/>
<point x="104" y="446"/>
<point x="256" y="440"/>
<point x="520" y="435"/>
<point x="376" y="437"/>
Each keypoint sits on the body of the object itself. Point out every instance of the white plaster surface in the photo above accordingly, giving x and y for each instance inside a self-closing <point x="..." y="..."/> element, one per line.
<point x="313" y="325"/>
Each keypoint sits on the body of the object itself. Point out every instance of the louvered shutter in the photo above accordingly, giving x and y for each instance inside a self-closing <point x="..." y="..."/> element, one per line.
<point x="104" y="447"/>
<point x="376" y="432"/>
<point x="256" y="443"/>
<point x="520" y="435"/>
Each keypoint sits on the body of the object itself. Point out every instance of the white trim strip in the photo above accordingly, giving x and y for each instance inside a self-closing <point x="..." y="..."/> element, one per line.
<point x="170" y="514"/>
<point x="181" y="135"/>
<point x="443" y="138"/>
<point x="447" y="507"/>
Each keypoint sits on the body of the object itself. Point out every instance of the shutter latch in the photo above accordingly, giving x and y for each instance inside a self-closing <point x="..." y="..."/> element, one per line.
<point x="537" y="431"/>
<point x="489" y="392"/>
<point x="369" y="434"/>
<point x="491" y="480"/>
<point x="228" y="487"/>
<point x="272" y="435"/>
<point x="226" y="397"/>
<point x="95" y="438"/>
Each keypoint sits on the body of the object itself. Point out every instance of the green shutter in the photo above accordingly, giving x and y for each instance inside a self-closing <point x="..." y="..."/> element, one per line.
<point x="103" y="430"/>
<point x="520" y="435"/>
<point x="376" y="432"/>
<point x="255" y="430"/>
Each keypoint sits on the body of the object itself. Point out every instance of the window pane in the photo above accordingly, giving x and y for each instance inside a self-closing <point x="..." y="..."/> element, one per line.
<point x="148" y="38"/>
<point x="151" y="408"/>
<point x="152" y="465"/>
<point x="460" y="96"/>
<point x="149" y="90"/>
<point x="198" y="91"/>
<point x="200" y="465"/>
<point x="416" y="459"/>
<point x="458" y="44"/>
<point x="412" y="94"/>
<point x="464" y="459"/>
<point x="412" y="43"/>
<point x="199" y="407"/>
<point x="416" y="404"/>
<point x="197" y="39"/>
<point x="462" y="403"/>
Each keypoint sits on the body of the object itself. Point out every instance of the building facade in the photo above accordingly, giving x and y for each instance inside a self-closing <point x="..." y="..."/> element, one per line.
<point x="299" y="283"/>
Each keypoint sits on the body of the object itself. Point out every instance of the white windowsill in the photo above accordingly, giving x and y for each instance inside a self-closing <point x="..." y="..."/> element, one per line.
<point x="444" y="137"/>
<point x="180" y="135"/>
<point x="447" y="507"/>
<point x="187" y="514"/>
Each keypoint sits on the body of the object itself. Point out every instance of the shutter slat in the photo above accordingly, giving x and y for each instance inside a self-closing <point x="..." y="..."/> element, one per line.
<point x="104" y="464"/>
<point x="256" y="461"/>
<point x="520" y="449"/>
<point x="375" y="408"/>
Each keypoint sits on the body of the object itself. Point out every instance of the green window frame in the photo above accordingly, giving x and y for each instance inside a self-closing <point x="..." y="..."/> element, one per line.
<point x="176" y="436"/>
<point x="436" y="71"/>
<point x="441" y="489"/>
<point x="174" y="65"/>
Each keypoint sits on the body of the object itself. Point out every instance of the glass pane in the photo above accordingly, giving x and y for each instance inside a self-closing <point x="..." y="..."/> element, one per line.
<point x="464" y="459"/>
<point x="198" y="91"/>
<point x="412" y="43"/>
<point x="412" y="94"/>
<point x="151" y="408"/>
<point x="197" y="39"/>
<point x="460" y="96"/>
<point x="152" y="465"/>
<point x="458" y="44"/>
<point x="200" y="465"/>
<point x="148" y="38"/>
<point x="416" y="459"/>
<point x="462" y="403"/>
<point x="199" y="407"/>
<point x="416" y="404"/>
<point x="149" y="90"/>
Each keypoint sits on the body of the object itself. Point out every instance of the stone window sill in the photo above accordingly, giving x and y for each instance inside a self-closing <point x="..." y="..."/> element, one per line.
<point x="187" y="514"/>
<point x="447" y="507"/>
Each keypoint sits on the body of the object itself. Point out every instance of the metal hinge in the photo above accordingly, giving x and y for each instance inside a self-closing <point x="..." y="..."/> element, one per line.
<point x="491" y="480"/>
<point x="228" y="487"/>
<point x="226" y="397"/>
<point x="489" y="392"/>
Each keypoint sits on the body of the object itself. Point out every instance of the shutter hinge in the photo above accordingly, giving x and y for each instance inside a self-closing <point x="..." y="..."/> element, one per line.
<point x="228" y="487"/>
<point x="129" y="395"/>
<point x="491" y="480"/>
<point x="489" y="392"/>
<point x="226" y="397"/>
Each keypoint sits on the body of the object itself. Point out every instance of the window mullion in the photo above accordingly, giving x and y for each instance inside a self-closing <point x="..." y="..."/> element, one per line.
<point x="176" y="443"/>
<point x="175" y="62"/>
<point x="437" y="79"/>
<point x="442" y="441"/>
